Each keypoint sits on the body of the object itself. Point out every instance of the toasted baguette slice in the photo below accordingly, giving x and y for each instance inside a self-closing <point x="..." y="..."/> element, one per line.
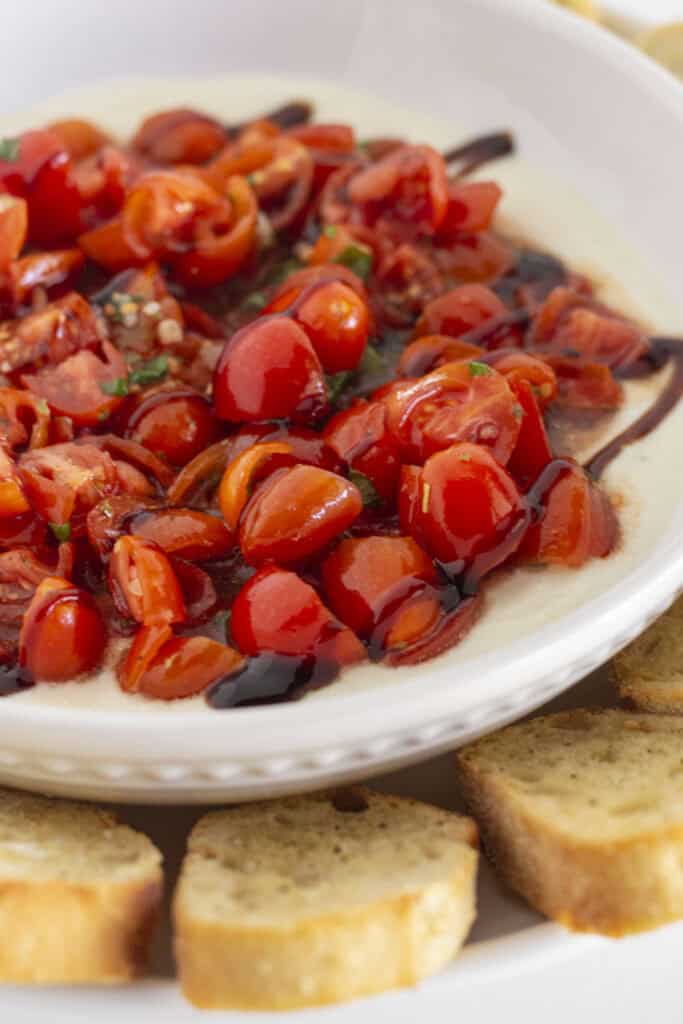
<point x="649" y="671"/>
<point x="320" y="899"/>
<point x="582" y="813"/>
<point x="79" y="893"/>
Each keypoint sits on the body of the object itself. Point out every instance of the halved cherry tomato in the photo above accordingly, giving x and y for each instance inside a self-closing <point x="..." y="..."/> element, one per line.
<point x="107" y="520"/>
<point x="185" y="666"/>
<point x="269" y="370"/>
<point x="381" y="587"/>
<point x="333" y="138"/>
<point x="532" y="452"/>
<point x="471" y="205"/>
<point x="50" y="335"/>
<point x="184" y="532"/>
<point x="179" y="136"/>
<point x="360" y="437"/>
<point x="42" y="175"/>
<point x="407" y="279"/>
<point x="63" y="482"/>
<point x="294" y="285"/>
<point x="26" y="528"/>
<point x="143" y="583"/>
<point x="13" y="501"/>
<point x="222" y="239"/>
<point x="277" y="611"/>
<point x="433" y="350"/>
<point x="407" y="187"/>
<point x="306" y="445"/>
<point x="147" y="643"/>
<point x="162" y="209"/>
<point x="103" y="178"/>
<point x="461" y="401"/>
<point x="469" y="513"/>
<point x="50" y="271"/>
<point x="337" y="322"/>
<point x="459" y="311"/>
<point x="24" y="420"/>
<point x="63" y="634"/>
<point x="585" y="385"/>
<point x="200" y="599"/>
<point x="295" y="513"/>
<point x="478" y="257"/>
<point x="123" y="449"/>
<point x="520" y="366"/>
<point x="176" y="423"/>
<point x="13" y="228"/>
<point x="244" y="470"/>
<point x="82" y="386"/>
<point x="577" y="521"/>
<point x="21" y="572"/>
<point x="108" y="246"/>
<point x="78" y="137"/>
<point x="283" y="183"/>
<point x="332" y="243"/>
<point x="448" y="631"/>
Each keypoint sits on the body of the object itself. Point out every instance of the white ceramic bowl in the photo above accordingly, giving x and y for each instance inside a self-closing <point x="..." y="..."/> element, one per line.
<point x="585" y="107"/>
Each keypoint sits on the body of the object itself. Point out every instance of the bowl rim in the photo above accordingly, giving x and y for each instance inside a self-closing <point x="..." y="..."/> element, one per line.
<point x="652" y="584"/>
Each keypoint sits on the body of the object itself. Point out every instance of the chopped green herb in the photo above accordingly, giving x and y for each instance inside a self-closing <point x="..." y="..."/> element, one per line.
<point x="372" y="361"/>
<point x="330" y="230"/>
<point x="336" y="382"/>
<point x="62" y="531"/>
<point x="357" y="258"/>
<point x="278" y="274"/>
<point x="150" y="372"/>
<point x="517" y="411"/>
<point x="255" y="301"/>
<point x="465" y="457"/>
<point x="122" y="308"/>
<point x="42" y="407"/>
<point x="479" y="369"/>
<point x="366" y="487"/>
<point x="9" y="150"/>
<point x="117" y="388"/>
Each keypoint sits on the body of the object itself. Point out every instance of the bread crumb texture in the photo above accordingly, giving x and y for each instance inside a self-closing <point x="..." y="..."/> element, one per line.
<point x="649" y="671"/>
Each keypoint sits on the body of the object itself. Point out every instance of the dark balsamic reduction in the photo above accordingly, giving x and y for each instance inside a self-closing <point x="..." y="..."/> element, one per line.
<point x="14" y="679"/>
<point x="471" y="155"/>
<point x="270" y="678"/>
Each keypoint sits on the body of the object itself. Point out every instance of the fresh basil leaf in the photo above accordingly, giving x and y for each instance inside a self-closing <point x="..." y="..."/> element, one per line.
<point x="62" y="531"/>
<point x="366" y="487"/>
<point x="255" y="301"/>
<point x="150" y="372"/>
<point x="117" y="388"/>
<point x="9" y="150"/>
<point x="356" y="258"/>
<point x="479" y="369"/>
<point x="336" y="383"/>
<point x="330" y="230"/>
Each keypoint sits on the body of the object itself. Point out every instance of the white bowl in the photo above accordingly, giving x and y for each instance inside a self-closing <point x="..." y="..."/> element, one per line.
<point x="596" y="119"/>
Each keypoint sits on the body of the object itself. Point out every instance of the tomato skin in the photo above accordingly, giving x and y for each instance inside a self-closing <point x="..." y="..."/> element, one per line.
<point x="243" y="471"/>
<point x="467" y="506"/>
<point x="408" y="187"/>
<point x="459" y="401"/>
<point x="476" y="257"/>
<point x="337" y="322"/>
<point x="368" y="578"/>
<point x="63" y="482"/>
<point x="42" y="175"/>
<point x="78" y="137"/>
<point x="585" y="385"/>
<point x="295" y="513"/>
<point x="294" y="285"/>
<point x="13" y="501"/>
<point x="50" y="335"/>
<point x="63" y="634"/>
<point x="222" y="240"/>
<point x="26" y="528"/>
<point x="434" y="350"/>
<point x="276" y="611"/>
<point x="176" y="423"/>
<point x="107" y="245"/>
<point x="577" y="522"/>
<point x="306" y="445"/>
<point x="520" y="366"/>
<point x="13" y="228"/>
<point x="179" y="136"/>
<point x="532" y="452"/>
<point x="184" y="532"/>
<point x="199" y="594"/>
<point x="269" y="370"/>
<point x="143" y="583"/>
<point x="460" y="310"/>
<point x="51" y="271"/>
<point x="360" y="437"/>
<point x="185" y="666"/>
<point x="18" y="409"/>
<point x="471" y="206"/>
<point x="76" y="388"/>
<point x="147" y="643"/>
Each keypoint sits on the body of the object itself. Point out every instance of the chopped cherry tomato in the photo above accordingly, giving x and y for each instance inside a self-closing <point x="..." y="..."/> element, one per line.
<point x="184" y="532"/>
<point x="200" y="477"/>
<point x="83" y="386"/>
<point x="360" y="437"/>
<point x="222" y="239"/>
<point x="185" y="665"/>
<point x="107" y="520"/>
<point x="295" y="513"/>
<point x="176" y="423"/>
<point x="381" y="587"/>
<point x="337" y="322"/>
<point x="306" y="445"/>
<point x="103" y="179"/>
<point x="20" y="411"/>
<point x="585" y="385"/>
<point x="277" y="611"/>
<point x="50" y="271"/>
<point x="471" y="206"/>
<point x="78" y="137"/>
<point x="269" y="370"/>
<point x="519" y="366"/>
<point x="461" y="401"/>
<point x="199" y="594"/>
<point x="407" y="279"/>
<point x="50" y="335"/>
<point x="333" y="138"/>
<point x="279" y="170"/>
<point x="433" y="350"/>
<point x="333" y="243"/>
<point x="294" y="285"/>
<point x="20" y="574"/>
<point x="577" y="521"/>
<point x="108" y="246"/>
<point x="480" y="257"/>
<point x="63" y="482"/>
<point x="124" y="450"/>
<point x="63" y="634"/>
<point x="459" y="311"/>
<point x="242" y="473"/>
<point x="13" y="501"/>
<point x="179" y="136"/>
<point x="469" y="513"/>
<point x="42" y="175"/>
<point x="407" y="187"/>
<point x="26" y="528"/>
<point x="162" y="209"/>
<point x="143" y="583"/>
<point x="13" y="228"/>
<point x="448" y="631"/>
<point x="147" y="643"/>
<point x="532" y="452"/>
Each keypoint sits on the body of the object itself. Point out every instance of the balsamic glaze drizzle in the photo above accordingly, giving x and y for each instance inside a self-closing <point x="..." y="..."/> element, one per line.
<point x="479" y="151"/>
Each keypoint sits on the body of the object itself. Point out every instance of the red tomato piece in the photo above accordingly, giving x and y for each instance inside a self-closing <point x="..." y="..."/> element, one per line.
<point x="199" y="594"/>
<point x="532" y="452"/>
<point x="63" y="482"/>
<point x="337" y="322"/>
<point x="360" y="437"/>
<point x="107" y="245"/>
<point x="78" y="137"/>
<point x="294" y="285"/>
<point x="461" y="401"/>
<point x="407" y="187"/>
<point x="471" y="206"/>
<point x="21" y="572"/>
<point x="47" y="270"/>
<point x="222" y="239"/>
<point x="577" y="521"/>
<point x="147" y="643"/>
<point x="198" y="479"/>
<point x="451" y="628"/>
<point x="103" y="178"/>
<point x="283" y="183"/>
<point x="407" y="280"/>
<point x="42" y="175"/>
<point x="162" y="209"/>
<point x="143" y="583"/>
<point x="306" y="445"/>
<point x="26" y="528"/>
<point x="175" y="423"/>
<point x="179" y="136"/>
<point x="277" y="611"/>
<point x="382" y="588"/>
<point x="184" y="532"/>
<point x="269" y="370"/>
<point x="13" y="501"/>
<point x="519" y="366"/>
<point x="334" y="138"/>
<point x="295" y="513"/>
<point x="469" y="512"/>
<point x="24" y="419"/>
<point x="49" y="336"/>
<point x="244" y="471"/>
<point x="81" y="387"/>
<point x="63" y="635"/>
<point x="13" y="228"/>
<point x="460" y="310"/>
<point x="433" y="350"/>
<point x="585" y="385"/>
<point x="478" y="257"/>
<point x="123" y="449"/>
<point x="185" y="666"/>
